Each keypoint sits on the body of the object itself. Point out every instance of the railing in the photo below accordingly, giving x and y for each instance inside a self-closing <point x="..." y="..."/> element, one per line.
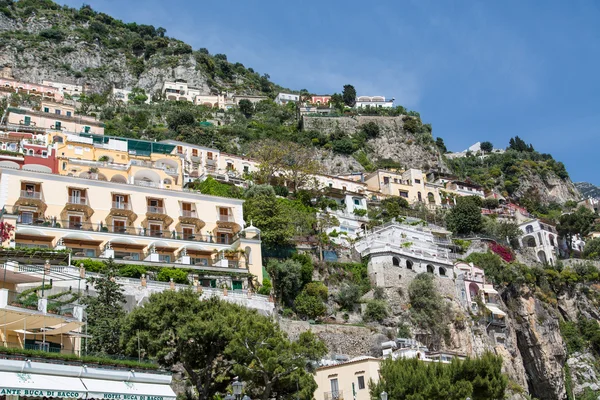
<point x="77" y="200"/>
<point x="156" y="210"/>
<point x="188" y="213"/>
<point x="336" y="395"/>
<point x="147" y="183"/>
<point x="121" y="205"/>
<point x="47" y="347"/>
<point x="226" y="218"/>
<point x="28" y="194"/>
<point x="136" y="231"/>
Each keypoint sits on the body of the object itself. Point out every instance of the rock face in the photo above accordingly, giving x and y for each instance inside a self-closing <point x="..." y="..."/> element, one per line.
<point x="539" y="341"/>
<point x="393" y="142"/>
<point x="549" y="186"/>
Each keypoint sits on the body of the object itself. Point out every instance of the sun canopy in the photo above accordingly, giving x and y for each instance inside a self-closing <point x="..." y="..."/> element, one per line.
<point x="34" y="385"/>
<point x="495" y="310"/>
<point x="121" y="390"/>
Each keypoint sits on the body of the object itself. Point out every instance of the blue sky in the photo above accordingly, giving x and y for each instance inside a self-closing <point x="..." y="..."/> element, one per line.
<point x="475" y="70"/>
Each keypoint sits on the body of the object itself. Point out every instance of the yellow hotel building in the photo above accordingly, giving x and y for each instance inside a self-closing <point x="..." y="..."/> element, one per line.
<point x="123" y="198"/>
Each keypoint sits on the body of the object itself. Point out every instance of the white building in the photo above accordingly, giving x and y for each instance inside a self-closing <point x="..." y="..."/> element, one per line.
<point x="283" y="98"/>
<point x="123" y="95"/>
<point x="414" y="248"/>
<point x="541" y="238"/>
<point x="72" y="90"/>
<point x="374" y="101"/>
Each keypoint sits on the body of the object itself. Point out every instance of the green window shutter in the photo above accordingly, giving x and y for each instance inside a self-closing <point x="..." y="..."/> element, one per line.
<point x="213" y="283"/>
<point x="57" y="125"/>
<point x="27" y="120"/>
<point x="237" y="285"/>
<point x="86" y="129"/>
<point x="46" y="109"/>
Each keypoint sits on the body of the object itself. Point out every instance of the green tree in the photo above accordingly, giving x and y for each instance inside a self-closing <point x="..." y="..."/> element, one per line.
<point x="439" y="142"/>
<point x="213" y="187"/>
<point x="265" y="358"/>
<point x="377" y="310"/>
<point x="578" y="222"/>
<point x="309" y="306"/>
<point x="370" y="129"/>
<point x="138" y="96"/>
<point x="428" y="311"/>
<point x="465" y="217"/>
<point x="179" y="118"/>
<point x="349" y="95"/>
<point x="267" y="213"/>
<point x="337" y="101"/>
<point x="179" y="329"/>
<point x="486" y="147"/>
<point x="348" y="296"/>
<point x="412" y="379"/>
<point x="592" y="249"/>
<point x="105" y="311"/>
<point x="246" y="107"/>
<point x="286" y="278"/>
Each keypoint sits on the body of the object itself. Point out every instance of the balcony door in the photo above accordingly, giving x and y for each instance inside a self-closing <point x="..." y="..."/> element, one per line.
<point x="335" y="389"/>
<point x="119" y="201"/>
<point x="75" y="196"/>
<point x="223" y="214"/>
<point x="74" y="222"/>
<point x="155" y="230"/>
<point x="119" y="226"/>
<point x="188" y="233"/>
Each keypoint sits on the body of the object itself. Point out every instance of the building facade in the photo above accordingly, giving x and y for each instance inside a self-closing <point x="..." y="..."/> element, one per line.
<point x="284" y="98"/>
<point x="374" y="101"/>
<point x="347" y="380"/>
<point x="96" y="218"/>
<point x="53" y="116"/>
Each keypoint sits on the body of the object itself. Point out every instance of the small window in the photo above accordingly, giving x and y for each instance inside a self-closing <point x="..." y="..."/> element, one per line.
<point x="179" y="149"/>
<point x="86" y="129"/>
<point x="57" y="112"/>
<point x="386" y="180"/>
<point x="195" y="152"/>
<point x="361" y="382"/>
<point x="46" y="110"/>
<point x="57" y="125"/>
<point x="68" y="113"/>
<point x="356" y="202"/>
<point x="27" y="120"/>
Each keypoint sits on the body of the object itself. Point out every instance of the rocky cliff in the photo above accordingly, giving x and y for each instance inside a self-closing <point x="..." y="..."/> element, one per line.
<point x="394" y="142"/>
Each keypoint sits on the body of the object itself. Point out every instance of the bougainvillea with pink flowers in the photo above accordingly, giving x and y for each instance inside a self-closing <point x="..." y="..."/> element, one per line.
<point x="504" y="252"/>
<point x="5" y="230"/>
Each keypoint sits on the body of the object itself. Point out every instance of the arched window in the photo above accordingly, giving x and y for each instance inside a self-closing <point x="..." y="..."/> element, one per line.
<point x="395" y="261"/>
<point x="419" y="197"/>
<point x="529" y="229"/>
<point x="551" y="237"/>
<point x="409" y="264"/>
<point x="531" y="241"/>
<point x="430" y="198"/>
<point x="248" y="252"/>
<point x="430" y="269"/>
<point x="442" y="271"/>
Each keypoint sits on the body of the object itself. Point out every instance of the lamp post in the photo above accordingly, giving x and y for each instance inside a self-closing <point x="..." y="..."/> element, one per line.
<point x="384" y="395"/>
<point x="237" y="389"/>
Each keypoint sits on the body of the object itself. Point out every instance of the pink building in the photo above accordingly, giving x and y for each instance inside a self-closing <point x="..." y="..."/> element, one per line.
<point x="12" y="85"/>
<point x="320" y="100"/>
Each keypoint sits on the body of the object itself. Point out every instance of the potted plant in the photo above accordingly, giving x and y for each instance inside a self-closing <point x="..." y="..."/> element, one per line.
<point x="224" y="286"/>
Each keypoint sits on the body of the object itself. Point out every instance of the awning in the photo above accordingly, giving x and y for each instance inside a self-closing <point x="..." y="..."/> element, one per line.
<point x="495" y="310"/>
<point x="34" y="385"/>
<point x="122" y="390"/>
<point x="489" y="289"/>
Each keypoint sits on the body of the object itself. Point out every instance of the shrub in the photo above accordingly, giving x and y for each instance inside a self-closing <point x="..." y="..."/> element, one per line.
<point x="348" y="296"/>
<point x="178" y="275"/>
<point x="592" y="249"/>
<point x="502" y="251"/>
<point x="281" y="191"/>
<point x="317" y="289"/>
<point x="376" y="310"/>
<point x="132" y="271"/>
<point x="266" y="287"/>
<point x="309" y="306"/>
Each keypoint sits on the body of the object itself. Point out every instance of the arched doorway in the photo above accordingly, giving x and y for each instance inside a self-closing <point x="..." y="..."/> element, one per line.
<point x="542" y="257"/>
<point x="395" y="261"/>
<point x="409" y="264"/>
<point x="430" y="269"/>
<point x="442" y="271"/>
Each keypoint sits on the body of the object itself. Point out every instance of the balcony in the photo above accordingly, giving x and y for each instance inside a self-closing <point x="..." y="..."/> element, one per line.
<point x="77" y="203"/>
<point x="155" y="210"/>
<point x="337" y="395"/>
<point x="191" y="217"/>
<point x="147" y="183"/>
<point x="121" y="209"/>
<point x="31" y="198"/>
<point x="226" y="218"/>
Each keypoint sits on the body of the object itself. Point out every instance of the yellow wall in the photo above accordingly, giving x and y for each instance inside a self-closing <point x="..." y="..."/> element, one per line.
<point x="347" y="374"/>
